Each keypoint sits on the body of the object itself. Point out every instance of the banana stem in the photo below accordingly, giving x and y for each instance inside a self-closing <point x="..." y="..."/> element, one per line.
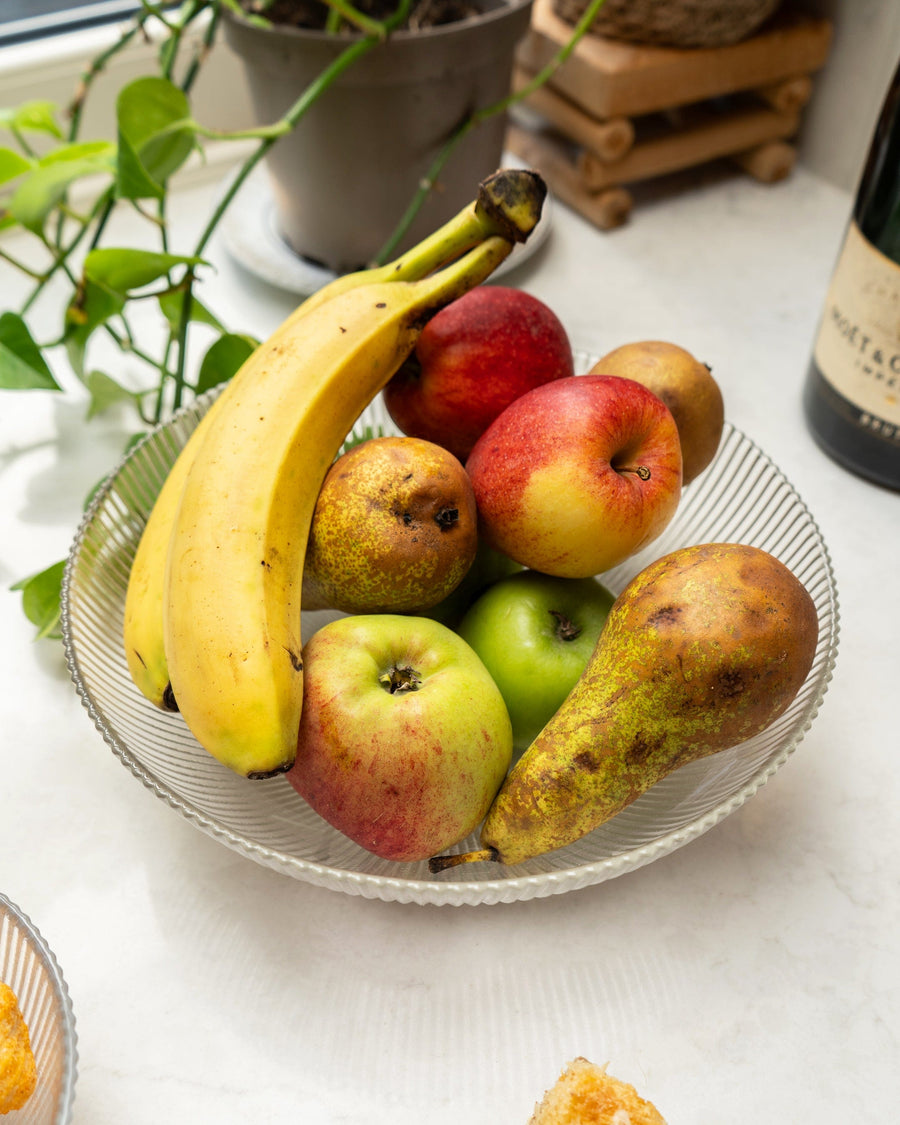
<point x="509" y="205"/>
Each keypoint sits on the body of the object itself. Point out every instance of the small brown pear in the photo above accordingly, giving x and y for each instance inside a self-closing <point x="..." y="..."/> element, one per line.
<point x="685" y="385"/>
<point x="394" y="529"/>
<point x="703" y="649"/>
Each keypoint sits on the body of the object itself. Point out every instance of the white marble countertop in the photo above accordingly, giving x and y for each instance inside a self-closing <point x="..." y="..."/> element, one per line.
<point x="750" y="976"/>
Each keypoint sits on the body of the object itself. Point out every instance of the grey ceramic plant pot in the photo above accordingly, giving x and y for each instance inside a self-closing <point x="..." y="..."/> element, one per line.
<point x="343" y="178"/>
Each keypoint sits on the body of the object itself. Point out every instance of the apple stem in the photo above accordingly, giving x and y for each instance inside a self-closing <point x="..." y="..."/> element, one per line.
<point x="641" y="470"/>
<point x="400" y="679"/>
<point x="443" y="862"/>
<point x="566" y="630"/>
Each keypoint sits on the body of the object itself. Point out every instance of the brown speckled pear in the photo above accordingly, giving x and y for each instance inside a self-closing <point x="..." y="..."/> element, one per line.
<point x="395" y="529"/>
<point x="702" y="650"/>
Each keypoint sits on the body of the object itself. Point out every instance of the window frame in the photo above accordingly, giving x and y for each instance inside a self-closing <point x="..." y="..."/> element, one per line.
<point x="75" y="15"/>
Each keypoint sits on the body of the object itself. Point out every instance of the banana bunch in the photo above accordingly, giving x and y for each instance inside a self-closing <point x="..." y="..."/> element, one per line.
<point x="212" y="611"/>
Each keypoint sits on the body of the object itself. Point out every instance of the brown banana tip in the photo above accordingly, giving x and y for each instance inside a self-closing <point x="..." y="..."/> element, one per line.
<point x="169" y="702"/>
<point x="444" y="862"/>
<point x="262" y="775"/>
<point x="513" y="199"/>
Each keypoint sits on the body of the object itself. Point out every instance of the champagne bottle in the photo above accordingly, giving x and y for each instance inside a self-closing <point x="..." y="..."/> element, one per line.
<point x="852" y="394"/>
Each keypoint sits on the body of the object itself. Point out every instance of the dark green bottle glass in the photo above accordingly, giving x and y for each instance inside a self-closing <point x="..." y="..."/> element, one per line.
<point x="852" y="394"/>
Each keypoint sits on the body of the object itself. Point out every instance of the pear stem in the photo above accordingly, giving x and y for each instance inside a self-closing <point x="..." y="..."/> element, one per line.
<point x="443" y="862"/>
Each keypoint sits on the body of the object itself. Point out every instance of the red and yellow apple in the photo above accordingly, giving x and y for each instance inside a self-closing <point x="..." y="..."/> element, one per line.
<point x="685" y="385"/>
<point x="577" y="475"/>
<point x="404" y="736"/>
<point x="472" y="360"/>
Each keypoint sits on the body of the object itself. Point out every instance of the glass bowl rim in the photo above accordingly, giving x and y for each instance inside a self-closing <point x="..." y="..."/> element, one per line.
<point x="38" y="944"/>
<point x="447" y="891"/>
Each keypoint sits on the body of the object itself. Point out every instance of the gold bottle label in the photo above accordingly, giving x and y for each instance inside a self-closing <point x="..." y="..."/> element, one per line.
<point x="858" y="346"/>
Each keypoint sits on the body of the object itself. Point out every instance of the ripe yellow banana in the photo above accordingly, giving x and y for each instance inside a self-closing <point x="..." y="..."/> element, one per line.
<point x="508" y="204"/>
<point x="231" y="612"/>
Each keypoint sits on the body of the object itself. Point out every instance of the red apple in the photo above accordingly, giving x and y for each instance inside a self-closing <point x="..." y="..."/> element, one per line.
<point x="577" y="475"/>
<point x="473" y="359"/>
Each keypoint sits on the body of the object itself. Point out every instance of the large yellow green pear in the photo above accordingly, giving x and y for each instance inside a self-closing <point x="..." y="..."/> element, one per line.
<point x="702" y="650"/>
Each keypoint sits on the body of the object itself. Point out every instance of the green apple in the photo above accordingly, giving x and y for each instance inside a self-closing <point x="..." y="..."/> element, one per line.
<point x="404" y="737"/>
<point x="489" y="566"/>
<point x="535" y="634"/>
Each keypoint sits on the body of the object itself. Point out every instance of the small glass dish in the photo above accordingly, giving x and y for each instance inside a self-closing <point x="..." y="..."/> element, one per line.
<point x="742" y="497"/>
<point x="29" y="968"/>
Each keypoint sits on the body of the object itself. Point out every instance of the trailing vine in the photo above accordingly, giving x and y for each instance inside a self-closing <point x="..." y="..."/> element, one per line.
<point x="46" y="159"/>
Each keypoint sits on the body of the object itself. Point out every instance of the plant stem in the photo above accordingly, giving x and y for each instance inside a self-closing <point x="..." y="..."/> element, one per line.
<point x="126" y="344"/>
<point x="205" y="46"/>
<point x="358" y="19"/>
<point x="76" y="106"/>
<point x="313" y="91"/>
<point x="102" y="208"/>
<point x="474" y="119"/>
<point x="184" y="321"/>
<point x="27" y="270"/>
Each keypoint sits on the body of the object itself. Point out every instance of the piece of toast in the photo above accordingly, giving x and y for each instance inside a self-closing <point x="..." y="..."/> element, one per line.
<point x="17" y="1070"/>
<point x="584" y="1094"/>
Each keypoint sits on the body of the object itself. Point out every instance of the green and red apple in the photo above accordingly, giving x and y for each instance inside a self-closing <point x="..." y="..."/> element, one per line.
<point x="577" y="475"/>
<point x="535" y="634"/>
<point x="404" y="736"/>
<point x="473" y="358"/>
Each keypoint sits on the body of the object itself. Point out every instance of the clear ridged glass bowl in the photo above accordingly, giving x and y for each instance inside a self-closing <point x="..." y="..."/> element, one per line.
<point x="742" y="497"/>
<point x="29" y="968"/>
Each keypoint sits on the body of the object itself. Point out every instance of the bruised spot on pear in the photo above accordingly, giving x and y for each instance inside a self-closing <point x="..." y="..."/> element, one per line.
<point x="641" y="748"/>
<point x="729" y="683"/>
<point x="665" y="615"/>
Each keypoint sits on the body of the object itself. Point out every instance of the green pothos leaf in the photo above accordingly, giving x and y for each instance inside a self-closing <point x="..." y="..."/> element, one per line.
<point x="43" y="188"/>
<point x="156" y="135"/>
<point x="91" y="306"/>
<point x="31" y="117"/>
<point x="222" y="360"/>
<point x="41" y="594"/>
<point x="123" y="270"/>
<point x="22" y="367"/>
<point x="12" y="164"/>
<point x="171" y="304"/>
<point x="105" y="393"/>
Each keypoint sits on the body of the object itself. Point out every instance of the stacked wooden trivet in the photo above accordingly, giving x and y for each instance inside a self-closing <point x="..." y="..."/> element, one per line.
<point x="615" y="113"/>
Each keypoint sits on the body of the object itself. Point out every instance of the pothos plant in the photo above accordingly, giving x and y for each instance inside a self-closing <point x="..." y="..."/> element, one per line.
<point x="46" y="159"/>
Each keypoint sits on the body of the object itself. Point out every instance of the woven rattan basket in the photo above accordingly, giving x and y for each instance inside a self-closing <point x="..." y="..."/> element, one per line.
<point x="673" y="23"/>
